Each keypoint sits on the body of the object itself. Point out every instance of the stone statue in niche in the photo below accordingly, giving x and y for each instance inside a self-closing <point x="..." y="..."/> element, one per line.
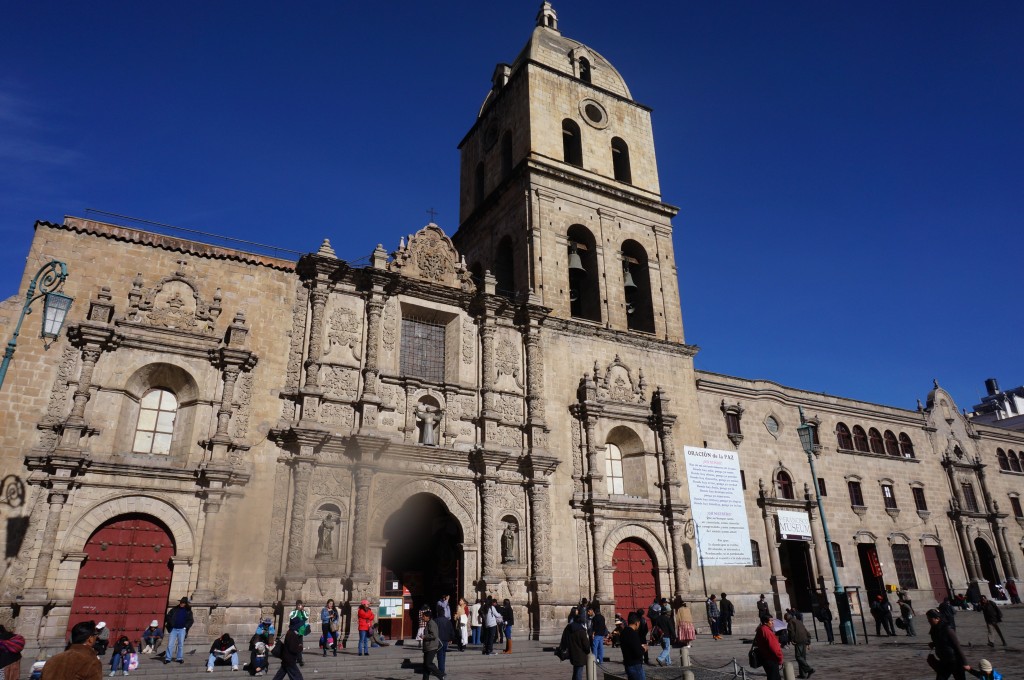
<point x="508" y="545"/>
<point x="428" y="417"/>
<point x="325" y="534"/>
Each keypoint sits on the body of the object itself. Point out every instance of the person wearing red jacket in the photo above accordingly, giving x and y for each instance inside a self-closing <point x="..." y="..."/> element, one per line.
<point x="769" y="648"/>
<point x="365" y="621"/>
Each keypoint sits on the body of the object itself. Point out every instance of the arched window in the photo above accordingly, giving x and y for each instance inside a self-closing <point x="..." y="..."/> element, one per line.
<point x="906" y="446"/>
<point x="784" y="484"/>
<point x="504" y="269"/>
<point x="584" y="69"/>
<point x="620" y="161"/>
<point x="506" y="154"/>
<point x="572" y="143"/>
<point x="892" y="446"/>
<point x="860" y="438"/>
<point x="478" y="183"/>
<point x="1014" y="461"/>
<point x="844" y="438"/>
<point x="613" y="470"/>
<point x="1004" y="463"/>
<point x="875" y="439"/>
<point x="755" y="554"/>
<point x="584" y="283"/>
<point x="627" y="447"/>
<point x="155" y="426"/>
<point x="636" y="282"/>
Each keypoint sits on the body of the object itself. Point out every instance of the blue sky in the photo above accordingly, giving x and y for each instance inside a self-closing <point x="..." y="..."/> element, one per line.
<point x="850" y="174"/>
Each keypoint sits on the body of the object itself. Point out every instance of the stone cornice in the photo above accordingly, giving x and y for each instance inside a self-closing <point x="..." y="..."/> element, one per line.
<point x="627" y="338"/>
<point x="171" y="243"/>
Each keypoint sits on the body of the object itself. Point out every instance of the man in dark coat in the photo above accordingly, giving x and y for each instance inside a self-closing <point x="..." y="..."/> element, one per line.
<point x="291" y="652"/>
<point x="79" y="661"/>
<point x="598" y="630"/>
<point x="949" y="658"/>
<point x="576" y="642"/>
<point x="633" y="648"/>
<point x="431" y="644"/>
<point x="801" y="640"/>
<point x="992" y="618"/>
<point x="948" y="613"/>
<point x="445" y="633"/>
<point x="726" y="612"/>
<point x="177" y="621"/>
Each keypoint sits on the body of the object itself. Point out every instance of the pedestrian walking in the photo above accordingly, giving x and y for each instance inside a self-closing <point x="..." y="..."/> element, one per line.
<point x="598" y="631"/>
<point x="79" y="660"/>
<point x="768" y="648"/>
<point x="291" y="652"/>
<point x="801" y="641"/>
<point x="947" y="658"/>
<point x="993" y="617"/>
<point x="633" y="648"/>
<point x="727" y="611"/>
<point x="882" y="613"/>
<point x="445" y="633"/>
<point x="661" y="631"/>
<point x="177" y="622"/>
<point x="907" y="613"/>
<point x="685" y="631"/>
<point x="575" y="644"/>
<point x="948" y="613"/>
<point x="762" y="608"/>
<point x="985" y="671"/>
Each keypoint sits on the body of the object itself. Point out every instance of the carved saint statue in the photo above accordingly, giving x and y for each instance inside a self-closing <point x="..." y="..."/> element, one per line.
<point x="325" y="544"/>
<point x="508" y="545"/>
<point x="428" y="417"/>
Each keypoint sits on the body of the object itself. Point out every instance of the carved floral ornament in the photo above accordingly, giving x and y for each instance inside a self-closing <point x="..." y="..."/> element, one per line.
<point x="617" y="384"/>
<point x="431" y="256"/>
<point x="174" y="303"/>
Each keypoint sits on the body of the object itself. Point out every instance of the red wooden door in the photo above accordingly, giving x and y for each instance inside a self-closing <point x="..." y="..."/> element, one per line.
<point x="125" y="578"/>
<point x="635" y="579"/>
<point x="936" y="572"/>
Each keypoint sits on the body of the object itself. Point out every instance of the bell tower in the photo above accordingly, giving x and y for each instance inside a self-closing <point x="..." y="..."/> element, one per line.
<point x="559" y="190"/>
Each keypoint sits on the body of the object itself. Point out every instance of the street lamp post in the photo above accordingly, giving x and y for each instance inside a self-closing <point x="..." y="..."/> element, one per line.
<point x="806" y="431"/>
<point x="45" y="284"/>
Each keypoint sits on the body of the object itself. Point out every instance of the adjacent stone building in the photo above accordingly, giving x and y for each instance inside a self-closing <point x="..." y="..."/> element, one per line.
<point x="503" y="411"/>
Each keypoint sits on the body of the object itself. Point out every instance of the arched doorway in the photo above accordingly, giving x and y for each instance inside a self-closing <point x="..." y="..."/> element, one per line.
<point x="422" y="559"/>
<point x="988" y="565"/>
<point x="125" y="578"/>
<point x="635" y="580"/>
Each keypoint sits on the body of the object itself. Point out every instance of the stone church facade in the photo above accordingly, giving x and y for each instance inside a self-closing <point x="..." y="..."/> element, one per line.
<point x="503" y="411"/>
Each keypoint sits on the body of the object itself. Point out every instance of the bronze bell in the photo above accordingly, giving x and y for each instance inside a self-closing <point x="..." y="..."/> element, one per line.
<point x="575" y="263"/>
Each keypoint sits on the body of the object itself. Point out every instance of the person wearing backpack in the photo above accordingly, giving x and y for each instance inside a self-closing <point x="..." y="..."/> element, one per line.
<point x="661" y="631"/>
<point x="291" y="652"/>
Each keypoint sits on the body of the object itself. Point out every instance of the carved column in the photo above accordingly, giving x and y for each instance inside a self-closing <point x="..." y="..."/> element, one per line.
<point x="594" y="475"/>
<point x="664" y="423"/>
<point x="487" y="331"/>
<point x="488" y="489"/>
<point x="540" y="531"/>
<point x="968" y="550"/>
<point x="360" y="523"/>
<point x="534" y="375"/>
<point x="318" y="300"/>
<point x="57" y="501"/>
<point x="820" y="552"/>
<point x="302" y="472"/>
<point x="212" y="536"/>
<point x="374" y="314"/>
<point x="1004" y="554"/>
<point x="225" y="410"/>
<point x="598" y="533"/>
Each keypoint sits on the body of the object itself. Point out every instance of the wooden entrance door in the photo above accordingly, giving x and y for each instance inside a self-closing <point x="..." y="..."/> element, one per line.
<point x="635" y="578"/>
<point x="936" y="563"/>
<point x="126" y="576"/>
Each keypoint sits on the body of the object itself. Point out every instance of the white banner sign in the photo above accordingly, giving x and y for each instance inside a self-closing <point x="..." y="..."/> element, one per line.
<point x="794" y="525"/>
<point x="719" y="511"/>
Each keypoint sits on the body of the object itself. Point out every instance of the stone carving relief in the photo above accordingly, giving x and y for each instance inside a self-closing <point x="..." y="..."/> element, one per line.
<point x="174" y="303"/>
<point x="344" y="336"/>
<point x="297" y="333"/>
<point x="508" y="359"/>
<point x="430" y="256"/>
<point x="57" y="408"/>
<point x="341" y="383"/>
<point x="389" y="329"/>
<point x="577" y="456"/>
<point x="243" y="406"/>
<point x="339" y="415"/>
<point x="511" y="437"/>
<point x="510" y="408"/>
<point x="582" y="555"/>
<point x="617" y="384"/>
<point x="330" y="482"/>
<point x="468" y="344"/>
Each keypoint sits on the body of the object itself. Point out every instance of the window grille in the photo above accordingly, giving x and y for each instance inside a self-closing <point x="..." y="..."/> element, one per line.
<point x="423" y="350"/>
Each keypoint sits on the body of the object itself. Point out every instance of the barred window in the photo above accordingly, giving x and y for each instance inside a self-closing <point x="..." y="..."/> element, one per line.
<point x="906" y="446"/>
<point x="422" y="350"/>
<point x="837" y="553"/>
<point x="919" y="501"/>
<point x="875" y="439"/>
<point x="860" y="439"/>
<point x="856" y="497"/>
<point x="904" y="566"/>
<point x="888" y="497"/>
<point x="892" y="446"/>
<point x="755" y="554"/>
<point x="1015" y="504"/>
<point x="970" y="500"/>
<point x="843" y="435"/>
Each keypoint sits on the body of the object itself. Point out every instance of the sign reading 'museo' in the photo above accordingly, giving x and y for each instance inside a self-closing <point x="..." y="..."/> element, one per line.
<point x="719" y="511"/>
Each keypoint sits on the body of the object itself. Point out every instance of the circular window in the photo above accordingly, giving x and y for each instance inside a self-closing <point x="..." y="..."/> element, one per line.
<point x="594" y="113"/>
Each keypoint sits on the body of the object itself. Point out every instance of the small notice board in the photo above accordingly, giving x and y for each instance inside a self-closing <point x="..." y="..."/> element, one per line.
<point x="390" y="608"/>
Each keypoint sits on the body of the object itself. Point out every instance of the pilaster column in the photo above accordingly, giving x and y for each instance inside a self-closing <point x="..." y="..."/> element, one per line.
<point x="778" y="581"/>
<point x="487" y="365"/>
<point x="1004" y="554"/>
<point x="534" y="375"/>
<point x="820" y="553"/>
<point x="81" y="397"/>
<point x="488" y="489"/>
<point x="302" y="472"/>
<point x="360" y="523"/>
<point x="226" y="397"/>
<point x="57" y="501"/>
<point x="540" y="531"/>
<point x="968" y="550"/>
<point x="1009" y="553"/>
<point x="598" y="531"/>
<point x="205" y="590"/>
<point x="318" y="301"/>
<point x="593" y="474"/>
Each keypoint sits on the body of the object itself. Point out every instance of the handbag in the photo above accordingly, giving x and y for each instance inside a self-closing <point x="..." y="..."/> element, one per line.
<point x="561" y="653"/>
<point x="334" y="626"/>
<point x="754" y="657"/>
